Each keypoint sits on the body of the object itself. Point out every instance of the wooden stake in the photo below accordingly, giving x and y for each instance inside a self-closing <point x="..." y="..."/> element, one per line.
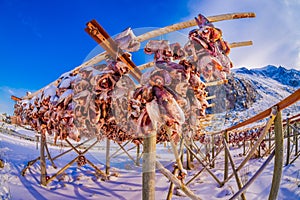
<point x="212" y="151"/>
<point x="296" y="142"/>
<point x="226" y="158"/>
<point x="278" y="164"/>
<point x="288" y="143"/>
<point x="137" y="162"/>
<point x="107" y="157"/>
<point x="43" y="160"/>
<point x="149" y="159"/>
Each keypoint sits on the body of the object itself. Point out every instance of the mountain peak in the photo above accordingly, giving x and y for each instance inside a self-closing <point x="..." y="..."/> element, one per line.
<point x="289" y="77"/>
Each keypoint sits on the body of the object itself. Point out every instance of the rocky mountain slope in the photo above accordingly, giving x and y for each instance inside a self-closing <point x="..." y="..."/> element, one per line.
<point x="250" y="91"/>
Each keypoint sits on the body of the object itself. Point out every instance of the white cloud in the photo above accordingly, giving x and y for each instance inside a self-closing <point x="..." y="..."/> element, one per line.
<point x="274" y="31"/>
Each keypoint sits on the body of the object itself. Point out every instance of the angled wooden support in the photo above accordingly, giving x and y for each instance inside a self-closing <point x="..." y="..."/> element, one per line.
<point x="254" y="177"/>
<point x="176" y="181"/>
<point x="32" y="162"/>
<point x="49" y="156"/>
<point x="75" y="159"/>
<point x="126" y="152"/>
<point x="238" y="180"/>
<point x="272" y="116"/>
<point x="175" y="150"/>
<point x="113" y="155"/>
<point x="172" y="185"/>
<point x="205" y="167"/>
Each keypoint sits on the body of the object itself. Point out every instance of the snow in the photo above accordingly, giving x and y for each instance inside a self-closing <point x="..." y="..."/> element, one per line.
<point x="81" y="182"/>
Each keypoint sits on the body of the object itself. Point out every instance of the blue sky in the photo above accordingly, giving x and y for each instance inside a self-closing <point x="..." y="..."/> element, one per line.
<point x="40" y="40"/>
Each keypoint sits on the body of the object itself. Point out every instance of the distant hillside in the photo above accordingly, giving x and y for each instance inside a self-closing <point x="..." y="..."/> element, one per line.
<point x="250" y="91"/>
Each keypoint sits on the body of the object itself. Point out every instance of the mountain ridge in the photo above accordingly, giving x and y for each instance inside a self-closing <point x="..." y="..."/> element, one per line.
<point x="289" y="77"/>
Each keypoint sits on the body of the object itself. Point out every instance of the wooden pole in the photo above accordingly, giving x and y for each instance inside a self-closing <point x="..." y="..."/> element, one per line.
<point x="212" y="151"/>
<point x="244" y="147"/>
<point x="149" y="159"/>
<point x="188" y="160"/>
<point x="137" y="162"/>
<point x="43" y="160"/>
<point x="296" y="142"/>
<point x="226" y="158"/>
<point x="107" y="162"/>
<point x="190" y="23"/>
<point x="288" y="142"/>
<point x="278" y="165"/>
<point x="270" y="140"/>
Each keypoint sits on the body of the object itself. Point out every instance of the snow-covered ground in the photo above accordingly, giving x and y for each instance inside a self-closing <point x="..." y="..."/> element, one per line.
<point x="81" y="182"/>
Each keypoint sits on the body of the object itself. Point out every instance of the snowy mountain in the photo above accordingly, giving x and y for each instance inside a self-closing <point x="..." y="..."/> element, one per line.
<point x="250" y="91"/>
<point x="289" y="77"/>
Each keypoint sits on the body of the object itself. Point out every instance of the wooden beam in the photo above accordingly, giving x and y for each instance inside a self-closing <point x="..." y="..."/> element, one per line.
<point x="191" y="23"/>
<point x="15" y="98"/>
<point x="97" y="32"/>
